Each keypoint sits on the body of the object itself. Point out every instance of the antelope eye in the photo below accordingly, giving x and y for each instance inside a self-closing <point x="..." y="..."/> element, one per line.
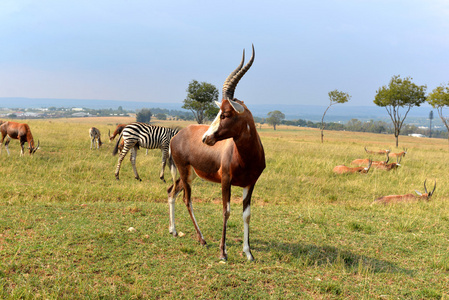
<point x="225" y="115"/>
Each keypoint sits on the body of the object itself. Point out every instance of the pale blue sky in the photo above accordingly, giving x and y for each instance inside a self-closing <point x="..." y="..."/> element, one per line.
<point x="134" y="50"/>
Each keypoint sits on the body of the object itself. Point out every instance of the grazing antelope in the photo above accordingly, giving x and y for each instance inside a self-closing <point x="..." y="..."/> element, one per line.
<point x="229" y="152"/>
<point x="95" y="136"/>
<point x="377" y="152"/>
<point x="407" y="197"/>
<point x="399" y="154"/>
<point x="342" y="169"/>
<point x="117" y="131"/>
<point x="137" y="135"/>
<point x="18" y="131"/>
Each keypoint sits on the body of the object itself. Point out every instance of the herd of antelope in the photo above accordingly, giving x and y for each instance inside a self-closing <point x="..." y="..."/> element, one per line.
<point x="384" y="165"/>
<point x="228" y="152"/>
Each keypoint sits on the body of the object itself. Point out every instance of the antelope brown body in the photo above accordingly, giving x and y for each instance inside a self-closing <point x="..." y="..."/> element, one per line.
<point x="18" y="131"/>
<point x="407" y="197"/>
<point x="390" y="166"/>
<point x="366" y="161"/>
<point x="229" y="152"/>
<point x="377" y="152"/>
<point x="399" y="154"/>
<point x="342" y="169"/>
<point x="117" y="131"/>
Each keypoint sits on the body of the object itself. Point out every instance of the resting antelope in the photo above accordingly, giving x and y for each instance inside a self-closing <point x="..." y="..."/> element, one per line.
<point x="366" y="161"/>
<point x="390" y="166"/>
<point x="95" y="137"/>
<point x="18" y="131"/>
<point x="407" y="197"/>
<point x="377" y="152"/>
<point x="229" y="152"/>
<point x="342" y="169"/>
<point x="399" y="154"/>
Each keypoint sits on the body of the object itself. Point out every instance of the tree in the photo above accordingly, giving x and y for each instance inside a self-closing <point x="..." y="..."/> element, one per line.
<point x="335" y="97"/>
<point x="200" y="100"/>
<point x="439" y="99"/>
<point x="400" y="93"/>
<point x="161" y="116"/>
<point x="144" y="115"/>
<point x="275" y="118"/>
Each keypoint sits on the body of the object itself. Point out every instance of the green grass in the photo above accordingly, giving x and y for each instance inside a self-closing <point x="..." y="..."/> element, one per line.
<point x="64" y="223"/>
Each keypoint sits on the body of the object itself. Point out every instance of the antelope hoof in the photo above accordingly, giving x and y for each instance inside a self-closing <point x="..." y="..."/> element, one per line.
<point x="137" y="178"/>
<point x="174" y="233"/>
<point x="163" y="179"/>
<point x="224" y="258"/>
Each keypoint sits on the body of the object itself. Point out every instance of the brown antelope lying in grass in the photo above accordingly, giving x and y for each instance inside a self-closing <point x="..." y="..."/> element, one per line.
<point x="366" y="161"/>
<point x="95" y="136"/>
<point x="390" y="166"/>
<point x="407" y="197"/>
<point x="399" y="154"/>
<point x="228" y="152"/>
<point x="377" y="152"/>
<point x="342" y="169"/>
<point x="18" y="131"/>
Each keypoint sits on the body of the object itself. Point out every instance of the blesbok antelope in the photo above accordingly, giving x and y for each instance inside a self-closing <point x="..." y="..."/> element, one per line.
<point x="377" y="152"/>
<point x="229" y="152"/>
<point x="342" y="169"/>
<point x="407" y="197"/>
<point x="18" y="131"/>
<point x="117" y="131"/>
<point x="399" y="154"/>
<point x="95" y="137"/>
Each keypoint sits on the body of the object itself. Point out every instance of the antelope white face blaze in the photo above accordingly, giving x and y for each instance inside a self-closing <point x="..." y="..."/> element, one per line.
<point x="213" y="127"/>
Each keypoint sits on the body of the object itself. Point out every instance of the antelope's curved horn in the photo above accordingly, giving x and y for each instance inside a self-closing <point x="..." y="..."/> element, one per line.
<point x="370" y="162"/>
<point x="233" y="79"/>
<point x="109" y="133"/>
<point x="425" y="189"/>
<point x="434" y="187"/>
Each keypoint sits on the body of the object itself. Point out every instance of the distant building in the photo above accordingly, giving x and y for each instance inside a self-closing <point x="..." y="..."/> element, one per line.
<point x="417" y="135"/>
<point x="80" y="114"/>
<point x="77" y="109"/>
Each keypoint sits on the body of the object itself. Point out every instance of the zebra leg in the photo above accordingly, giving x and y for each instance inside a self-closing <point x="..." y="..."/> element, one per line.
<point x="133" y="162"/>
<point x="119" y="163"/>
<point x="164" y="162"/>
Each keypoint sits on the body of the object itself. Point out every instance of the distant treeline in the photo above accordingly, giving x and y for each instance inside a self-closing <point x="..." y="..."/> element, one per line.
<point x="359" y="126"/>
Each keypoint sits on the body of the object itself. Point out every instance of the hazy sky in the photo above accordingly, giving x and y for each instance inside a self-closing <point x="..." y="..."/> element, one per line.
<point x="136" y="50"/>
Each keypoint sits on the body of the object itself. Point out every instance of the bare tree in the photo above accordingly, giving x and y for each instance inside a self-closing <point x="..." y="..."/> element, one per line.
<point x="335" y="97"/>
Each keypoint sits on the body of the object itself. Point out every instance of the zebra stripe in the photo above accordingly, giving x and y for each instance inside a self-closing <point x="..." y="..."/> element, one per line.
<point x="136" y="135"/>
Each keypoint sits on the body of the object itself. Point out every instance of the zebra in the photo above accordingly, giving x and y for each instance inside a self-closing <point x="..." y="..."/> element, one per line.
<point x="95" y="136"/>
<point x="137" y="135"/>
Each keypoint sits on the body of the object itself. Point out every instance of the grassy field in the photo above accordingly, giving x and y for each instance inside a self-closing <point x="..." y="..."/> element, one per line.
<point x="64" y="222"/>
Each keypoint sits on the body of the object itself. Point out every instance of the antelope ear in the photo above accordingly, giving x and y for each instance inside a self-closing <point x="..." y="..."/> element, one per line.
<point x="237" y="106"/>
<point x="419" y="194"/>
<point x="218" y="104"/>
